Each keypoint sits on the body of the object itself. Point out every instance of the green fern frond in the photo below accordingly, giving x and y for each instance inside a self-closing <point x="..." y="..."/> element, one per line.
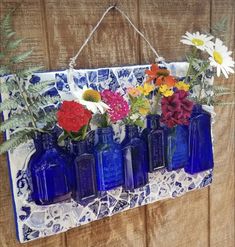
<point x="8" y="104"/>
<point x="21" y="57"/>
<point x="15" y="121"/>
<point x="220" y="89"/>
<point x="14" y="44"/>
<point x="5" y="25"/>
<point x="39" y="87"/>
<point x="8" y="85"/>
<point x="196" y="66"/>
<point x="49" y="118"/>
<point x="4" y="70"/>
<point x="15" y="140"/>
<point x="220" y="27"/>
<point x="25" y="73"/>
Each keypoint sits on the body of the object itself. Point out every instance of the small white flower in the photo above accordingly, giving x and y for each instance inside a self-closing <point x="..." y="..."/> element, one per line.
<point x="200" y="41"/>
<point x="221" y="58"/>
<point x="89" y="98"/>
<point x="134" y="117"/>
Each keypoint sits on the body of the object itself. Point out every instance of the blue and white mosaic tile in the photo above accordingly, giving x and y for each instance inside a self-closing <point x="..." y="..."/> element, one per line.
<point x="34" y="221"/>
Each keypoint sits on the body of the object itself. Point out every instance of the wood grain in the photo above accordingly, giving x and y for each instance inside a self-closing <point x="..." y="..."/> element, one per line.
<point x="56" y="29"/>
<point x="183" y="221"/>
<point x="28" y="23"/>
<point x="222" y="192"/>
<point x="69" y="25"/>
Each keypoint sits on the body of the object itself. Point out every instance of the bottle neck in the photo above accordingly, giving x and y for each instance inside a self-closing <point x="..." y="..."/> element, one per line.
<point x="49" y="141"/>
<point x="78" y="147"/>
<point x="105" y="135"/>
<point x="197" y="108"/>
<point x="131" y="131"/>
<point x="153" y="121"/>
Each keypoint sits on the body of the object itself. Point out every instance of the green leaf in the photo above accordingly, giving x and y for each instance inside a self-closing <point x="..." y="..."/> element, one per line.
<point x="39" y="87"/>
<point x="4" y="70"/>
<point x="8" y="86"/>
<point x="9" y="34"/>
<point x="8" y="104"/>
<point x="14" y="44"/>
<point x="14" y="141"/>
<point x="21" y="57"/>
<point x="15" y="121"/>
<point x="29" y="71"/>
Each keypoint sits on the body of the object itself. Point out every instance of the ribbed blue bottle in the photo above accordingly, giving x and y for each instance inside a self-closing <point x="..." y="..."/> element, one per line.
<point x="154" y="136"/>
<point x="109" y="161"/>
<point x="200" y="141"/>
<point x="49" y="171"/>
<point x="177" y="147"/>
<point x="134" y="158"/>
<point x="85" y="189"/>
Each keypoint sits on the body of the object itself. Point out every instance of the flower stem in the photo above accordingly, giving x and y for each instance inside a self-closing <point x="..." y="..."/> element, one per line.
<point x="155" y="103"/>
<point x="84" y="131"/>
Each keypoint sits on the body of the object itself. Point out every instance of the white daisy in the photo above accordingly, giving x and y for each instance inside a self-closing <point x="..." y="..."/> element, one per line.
<point x="221" y="58"/>
<point x="89" y="98"/>
<point x="200" y="41"/>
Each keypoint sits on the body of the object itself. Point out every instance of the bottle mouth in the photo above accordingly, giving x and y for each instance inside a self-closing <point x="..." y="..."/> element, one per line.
<point x="153" y="116"/>
<point x="105" y="130"/>
<point x="197" y="107"/>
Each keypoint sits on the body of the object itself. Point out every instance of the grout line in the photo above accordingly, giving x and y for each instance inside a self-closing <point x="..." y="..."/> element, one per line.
<point x="45" y="29"/>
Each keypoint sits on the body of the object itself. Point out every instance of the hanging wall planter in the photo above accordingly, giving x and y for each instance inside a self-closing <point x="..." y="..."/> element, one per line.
<point x="139" y="153"/>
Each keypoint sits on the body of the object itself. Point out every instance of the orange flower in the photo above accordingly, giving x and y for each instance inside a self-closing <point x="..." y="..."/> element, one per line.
<point x="167" y="80"/>
<point x="162" y="76"/>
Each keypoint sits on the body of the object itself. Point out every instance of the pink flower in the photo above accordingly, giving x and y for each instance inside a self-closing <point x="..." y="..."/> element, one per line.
<point x="119" y="107"/>
<point x="176" y="109"/>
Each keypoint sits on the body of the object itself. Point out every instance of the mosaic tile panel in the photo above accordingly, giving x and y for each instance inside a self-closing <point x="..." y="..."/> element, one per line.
<point x="34" y="221"/>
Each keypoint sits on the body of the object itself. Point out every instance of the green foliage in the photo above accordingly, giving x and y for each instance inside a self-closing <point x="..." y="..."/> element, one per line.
<point x="24" y="102"/>
<point x="15" y="140"/>
<point x="39" y="87"/>
<point x="220" y="28"/>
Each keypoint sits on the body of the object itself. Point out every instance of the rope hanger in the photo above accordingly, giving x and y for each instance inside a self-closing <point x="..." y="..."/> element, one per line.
<point x="73" y="59"/>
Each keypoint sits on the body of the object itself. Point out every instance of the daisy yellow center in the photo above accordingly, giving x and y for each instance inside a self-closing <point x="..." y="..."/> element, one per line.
<point x="198" y="42"/>
<point x="218" y="58"/>
<point x="91" y="95"/>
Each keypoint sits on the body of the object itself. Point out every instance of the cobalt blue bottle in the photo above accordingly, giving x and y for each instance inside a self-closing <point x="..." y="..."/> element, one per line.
<point x="200" y="141"/>
<point x="85" y="189"/>
<point x="49" y="173"/>
<point x="154" y="137"/>
<point x="134" y="158"/>
<point x="109" y="161"/>
<point x="177" y="147"/>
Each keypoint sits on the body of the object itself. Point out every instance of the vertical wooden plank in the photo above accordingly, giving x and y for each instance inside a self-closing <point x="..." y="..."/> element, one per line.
<point x="183" y="221"/>
<point x="222" y="192"/>
<point x="28" y="24"/>
<point x="114" y="43"/>
<point x="70" y="22"/>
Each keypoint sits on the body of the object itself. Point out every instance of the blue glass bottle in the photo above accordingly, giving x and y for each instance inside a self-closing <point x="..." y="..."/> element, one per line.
<point x="85" y="189"/>
<point x="134" y="158"/>
<point x="49" y="173"/>
<point x="154" y="137"/>
<point x="177" y="147"/>
<point x="200" y="142"/>
<point x="109" y="161"/>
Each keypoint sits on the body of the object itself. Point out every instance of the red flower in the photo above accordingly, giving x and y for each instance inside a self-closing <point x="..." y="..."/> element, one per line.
<point x="72" y="116"/>
<point x="176" y="109"/>
<point x="118" y="106"/>
<point x="160" y="76"/>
